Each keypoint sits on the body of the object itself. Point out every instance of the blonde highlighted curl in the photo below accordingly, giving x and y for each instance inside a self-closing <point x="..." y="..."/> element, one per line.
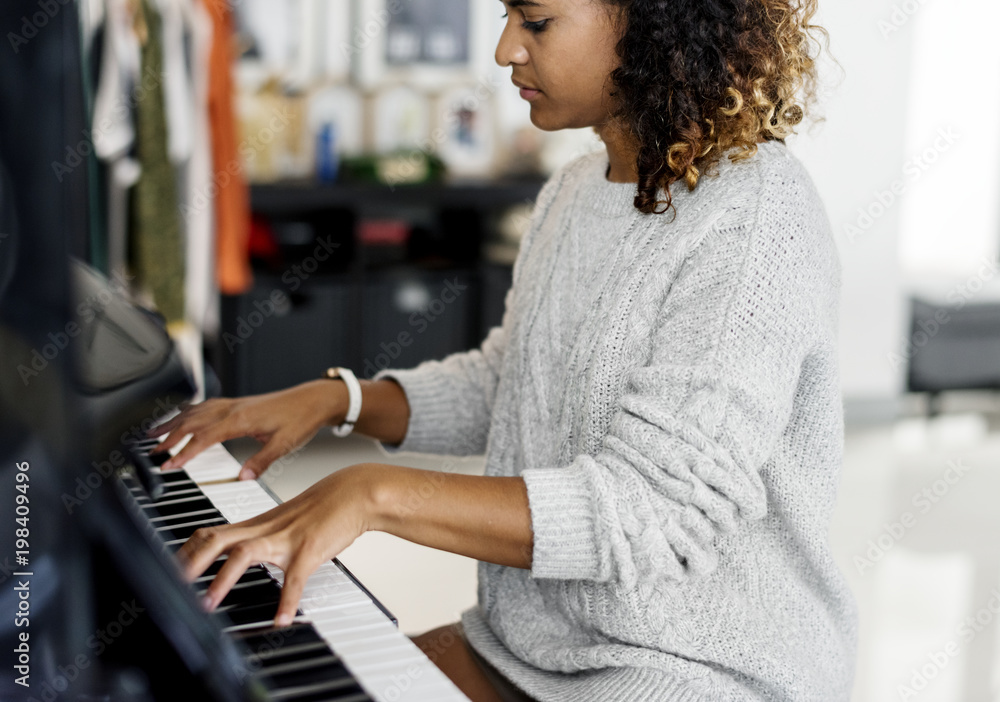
<point x="700" y="77"/>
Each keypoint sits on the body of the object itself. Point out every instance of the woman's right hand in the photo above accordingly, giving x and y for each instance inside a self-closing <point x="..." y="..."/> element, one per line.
<point x="282" y="421"/>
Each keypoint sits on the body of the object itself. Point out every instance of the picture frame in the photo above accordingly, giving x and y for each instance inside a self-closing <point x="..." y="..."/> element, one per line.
<point x="428" y="44"/>
<point x="401" y="119"/>
<point x="466" y="123"/>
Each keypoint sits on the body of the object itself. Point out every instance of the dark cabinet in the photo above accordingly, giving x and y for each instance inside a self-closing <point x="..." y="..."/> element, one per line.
<point x="330" y="297"/>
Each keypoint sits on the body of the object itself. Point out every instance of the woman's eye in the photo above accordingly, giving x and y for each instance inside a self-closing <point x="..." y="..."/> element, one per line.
<point x="530" y="26"/>
<point x="534" y="26"/>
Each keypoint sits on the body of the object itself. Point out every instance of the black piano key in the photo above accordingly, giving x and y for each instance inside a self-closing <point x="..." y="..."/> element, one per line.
<point x="216" y="565"/>
<point x="183" y="490"/>
<point x="171" y="476"/>
<point x="260" y="614"/>
<point x="254" y="572"/>
<point x="185" y="532"/>
<point x="351" y="694"/>
<point x="294" y="663"/>
<point x="172" y="520"/>
<point x="288" y="652"/>
<point x="158" y="458"/>
<point x="298" y="679"/>
<point x="178" y="505"/>
<point x="250" y="593"/>
<point x="273" y="638"/>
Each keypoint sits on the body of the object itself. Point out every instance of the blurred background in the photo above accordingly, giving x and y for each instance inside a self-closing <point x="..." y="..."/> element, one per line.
<point x="353" y="179"/>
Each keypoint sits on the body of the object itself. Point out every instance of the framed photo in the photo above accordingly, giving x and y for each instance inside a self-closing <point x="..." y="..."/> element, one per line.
<point x="301" y="41"/>
<point x="467" y="130"/>
<point x="425" y="43"/>
<point x="402" y="118"/>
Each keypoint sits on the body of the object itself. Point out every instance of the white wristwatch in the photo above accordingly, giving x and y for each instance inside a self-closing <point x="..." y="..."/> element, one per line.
<point x="354" y="404"/>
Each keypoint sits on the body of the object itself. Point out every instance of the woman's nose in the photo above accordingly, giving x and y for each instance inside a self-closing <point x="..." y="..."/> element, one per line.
<point x="509" y="49"/>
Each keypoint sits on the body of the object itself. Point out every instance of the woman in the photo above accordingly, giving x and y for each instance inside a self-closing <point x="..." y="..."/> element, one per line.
<point x="659" y="410"/>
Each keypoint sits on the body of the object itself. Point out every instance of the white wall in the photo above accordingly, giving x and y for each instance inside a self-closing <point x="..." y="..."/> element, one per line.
<point x="856" y="153"/>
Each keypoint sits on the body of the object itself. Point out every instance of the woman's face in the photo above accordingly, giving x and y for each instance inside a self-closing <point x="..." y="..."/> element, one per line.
<point x="564" y="51"/>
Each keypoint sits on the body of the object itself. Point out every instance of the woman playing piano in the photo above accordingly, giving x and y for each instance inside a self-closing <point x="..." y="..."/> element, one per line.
<point x="659" y="410"/>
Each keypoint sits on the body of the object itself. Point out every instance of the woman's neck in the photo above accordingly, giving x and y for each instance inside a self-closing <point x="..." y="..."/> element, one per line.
<point x="621" y="154"/>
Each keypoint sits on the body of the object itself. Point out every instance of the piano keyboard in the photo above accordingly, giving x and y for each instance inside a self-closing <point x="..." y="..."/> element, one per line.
<point x="343" y="645"/>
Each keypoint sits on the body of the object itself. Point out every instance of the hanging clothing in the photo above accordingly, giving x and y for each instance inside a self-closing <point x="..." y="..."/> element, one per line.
<point x="156" y="246"/>
<point x="232" y="198"/>
<point x="113" y="131"/>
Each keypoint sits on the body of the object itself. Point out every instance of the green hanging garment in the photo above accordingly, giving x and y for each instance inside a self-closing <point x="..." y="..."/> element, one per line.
<point x="156" y="244"/>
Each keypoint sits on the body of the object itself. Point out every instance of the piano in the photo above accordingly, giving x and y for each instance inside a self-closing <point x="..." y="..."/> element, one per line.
<point x="94" y="606"/>
<point x="343" y="646"/>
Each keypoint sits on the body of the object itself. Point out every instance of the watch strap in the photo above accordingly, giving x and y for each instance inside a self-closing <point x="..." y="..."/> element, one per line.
<point x="354" y="402"/>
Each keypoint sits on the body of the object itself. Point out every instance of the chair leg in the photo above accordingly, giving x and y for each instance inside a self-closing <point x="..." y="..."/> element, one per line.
<point x="933" y="404"/>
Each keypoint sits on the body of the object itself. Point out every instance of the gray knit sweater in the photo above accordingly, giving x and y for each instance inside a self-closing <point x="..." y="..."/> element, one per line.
<point x="668" y="389"/>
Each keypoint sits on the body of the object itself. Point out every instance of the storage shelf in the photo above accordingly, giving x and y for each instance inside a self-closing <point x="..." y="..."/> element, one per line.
<point x="365" y="313"/>
<point x="289" y="197"/>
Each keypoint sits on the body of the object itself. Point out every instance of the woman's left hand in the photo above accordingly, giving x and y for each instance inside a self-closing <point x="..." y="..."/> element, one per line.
<point x="296" y="536"/>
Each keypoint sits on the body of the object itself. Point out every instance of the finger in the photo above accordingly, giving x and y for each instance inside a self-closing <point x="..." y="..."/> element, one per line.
<point x="241" y="556"/>
<point x="172" y="440"/>
<point x="255" y="466"/>
<point x="172" y="423"/>
<point x="197" y="444"/>
<point x="291" y="590"/>
<point x="187" y="424"/>
<point x="203" y="548"/>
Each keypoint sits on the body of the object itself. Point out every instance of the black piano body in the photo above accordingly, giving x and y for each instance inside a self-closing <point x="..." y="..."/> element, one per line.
<point x="94" y="608"/>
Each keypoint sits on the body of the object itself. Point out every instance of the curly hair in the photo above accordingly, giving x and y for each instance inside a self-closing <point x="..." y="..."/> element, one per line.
<point x="699" y="77"/>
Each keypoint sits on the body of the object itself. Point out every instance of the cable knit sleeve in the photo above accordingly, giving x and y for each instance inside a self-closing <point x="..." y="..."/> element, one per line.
<point x="451" y="400"/>
<point x="682" y="458"/>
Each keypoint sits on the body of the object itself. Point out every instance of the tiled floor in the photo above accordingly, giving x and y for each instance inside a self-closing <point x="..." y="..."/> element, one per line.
<point x="915" y="532"/>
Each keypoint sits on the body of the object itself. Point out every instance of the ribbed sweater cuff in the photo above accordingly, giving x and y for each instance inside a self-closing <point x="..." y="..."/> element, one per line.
<point x="430" y="410"/>
<point x="563" y="523"/>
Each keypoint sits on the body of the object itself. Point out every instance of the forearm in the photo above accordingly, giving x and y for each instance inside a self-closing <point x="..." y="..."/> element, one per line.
<point x="385" y="413"/>
<point x="482" y="517"/>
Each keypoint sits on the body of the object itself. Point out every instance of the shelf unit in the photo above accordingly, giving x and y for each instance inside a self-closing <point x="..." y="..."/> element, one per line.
<point x="331" y="299"/>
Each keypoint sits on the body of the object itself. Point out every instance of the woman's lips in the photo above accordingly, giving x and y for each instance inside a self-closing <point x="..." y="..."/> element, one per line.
<point x="526" y="92"/>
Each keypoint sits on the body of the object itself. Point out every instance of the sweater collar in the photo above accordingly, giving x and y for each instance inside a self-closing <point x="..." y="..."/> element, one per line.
<point x="601" y="195"/>
<point x="605" y="197"/>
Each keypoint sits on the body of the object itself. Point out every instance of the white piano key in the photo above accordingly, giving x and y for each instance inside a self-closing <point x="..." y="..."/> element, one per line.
<point x="385" y="662"/>
<point x="214" y="463"/>
<point x="379" y="643"/>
